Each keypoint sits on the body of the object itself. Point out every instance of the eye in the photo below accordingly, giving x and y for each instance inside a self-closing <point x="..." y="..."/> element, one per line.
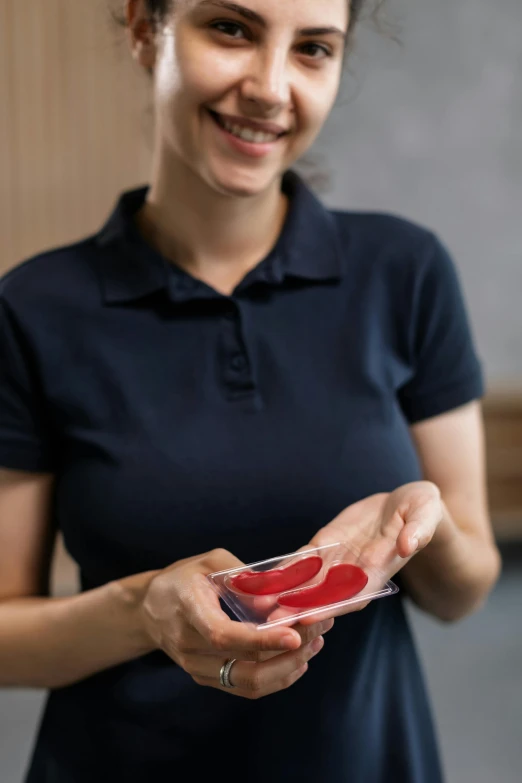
<point x="228" y="28"/>
<point x="316" y="51"/>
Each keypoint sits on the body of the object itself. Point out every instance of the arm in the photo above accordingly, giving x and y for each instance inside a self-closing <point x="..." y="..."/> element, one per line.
<point x="50" y="642"/>
<point x="53" y="642"/>
<point x="436" y="532"/>
<point x="456" y="562"/>
<point x="452" y="576"/>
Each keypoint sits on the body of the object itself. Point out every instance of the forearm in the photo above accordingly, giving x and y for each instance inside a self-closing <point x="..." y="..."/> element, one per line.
<point x="452" y="576"/>
<point x="53" y="642"/>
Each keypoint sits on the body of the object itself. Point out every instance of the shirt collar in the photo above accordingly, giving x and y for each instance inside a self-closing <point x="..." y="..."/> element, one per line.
<point x="309" y="244"/>
<point x="308" y="248"/>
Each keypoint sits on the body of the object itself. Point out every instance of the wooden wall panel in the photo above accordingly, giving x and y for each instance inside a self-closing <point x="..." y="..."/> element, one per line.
<point x="6" y="133"/>
<point x="73" y="122"/>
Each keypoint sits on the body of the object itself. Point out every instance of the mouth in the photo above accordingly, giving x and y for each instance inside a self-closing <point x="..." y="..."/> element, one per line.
<point x="248" y="135"/>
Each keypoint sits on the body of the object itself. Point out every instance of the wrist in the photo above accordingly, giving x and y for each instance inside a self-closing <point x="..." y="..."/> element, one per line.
<point x="128" y="595"/>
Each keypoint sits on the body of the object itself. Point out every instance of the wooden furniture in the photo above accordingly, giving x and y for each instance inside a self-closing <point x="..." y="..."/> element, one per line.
<point x="503" y="421"/>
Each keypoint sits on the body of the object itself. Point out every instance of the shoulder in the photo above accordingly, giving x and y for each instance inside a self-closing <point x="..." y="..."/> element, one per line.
<point x="62" y="273"/>
<point x="394" y="253"/>
<point x="386" y="241"/>
<point x="390" y="236"/>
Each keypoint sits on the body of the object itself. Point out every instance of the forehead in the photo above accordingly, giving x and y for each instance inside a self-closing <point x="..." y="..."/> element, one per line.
<point x="297" y="13"/>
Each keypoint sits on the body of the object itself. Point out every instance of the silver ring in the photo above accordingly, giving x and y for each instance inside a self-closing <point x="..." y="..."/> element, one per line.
<point x="224" y="674"/>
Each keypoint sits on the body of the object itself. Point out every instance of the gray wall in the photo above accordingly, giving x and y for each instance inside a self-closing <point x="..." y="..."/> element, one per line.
<point x="432" y="130"/>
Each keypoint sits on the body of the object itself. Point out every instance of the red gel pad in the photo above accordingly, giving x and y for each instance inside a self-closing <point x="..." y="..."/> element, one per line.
<point x="278" y="580"/>
<point x="342" y="582"/>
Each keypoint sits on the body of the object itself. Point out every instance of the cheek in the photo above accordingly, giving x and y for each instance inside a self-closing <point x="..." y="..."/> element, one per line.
<point x="178" y="79"/>
<point x="314" y="96"/>
<point x="208" y="73"/>
<point x="313" y="107"/>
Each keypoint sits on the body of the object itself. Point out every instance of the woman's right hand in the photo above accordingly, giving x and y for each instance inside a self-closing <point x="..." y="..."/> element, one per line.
<point x="182" y="616"/>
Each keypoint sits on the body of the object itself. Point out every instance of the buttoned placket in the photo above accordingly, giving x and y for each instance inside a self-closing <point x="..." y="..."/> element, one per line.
<point x="234" y="361"/>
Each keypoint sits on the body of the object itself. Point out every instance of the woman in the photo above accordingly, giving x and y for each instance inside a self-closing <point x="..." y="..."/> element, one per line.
<point x="227" y="372"/>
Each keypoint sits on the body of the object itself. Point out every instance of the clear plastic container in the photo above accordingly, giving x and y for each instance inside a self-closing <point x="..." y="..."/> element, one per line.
<point x="320" y="582"/>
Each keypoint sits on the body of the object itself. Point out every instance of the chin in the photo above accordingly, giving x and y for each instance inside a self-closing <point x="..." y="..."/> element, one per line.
<point x="234" y="182"/>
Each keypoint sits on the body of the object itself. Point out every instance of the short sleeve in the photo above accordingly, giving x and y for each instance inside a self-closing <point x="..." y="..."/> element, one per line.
<point x="447" y="372"/>
<point x="25" y="438"/>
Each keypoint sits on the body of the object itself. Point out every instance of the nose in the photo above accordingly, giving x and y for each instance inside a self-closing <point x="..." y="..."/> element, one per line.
<point x="268" y="83"/>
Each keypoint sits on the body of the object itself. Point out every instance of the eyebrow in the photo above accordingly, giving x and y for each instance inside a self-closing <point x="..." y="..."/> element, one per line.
<point x="252" y="16"/>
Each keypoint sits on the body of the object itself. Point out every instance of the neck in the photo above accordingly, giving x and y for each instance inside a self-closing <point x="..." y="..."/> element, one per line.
<point x="215" y="237"/>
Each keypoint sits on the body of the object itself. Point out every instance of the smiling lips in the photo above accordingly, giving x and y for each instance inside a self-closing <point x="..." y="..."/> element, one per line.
<point x="342" y="582"/>
<point x="250" y="137"/>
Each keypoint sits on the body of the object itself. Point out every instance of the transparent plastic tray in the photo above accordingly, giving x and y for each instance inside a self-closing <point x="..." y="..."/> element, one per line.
<point x="320" y="582"/>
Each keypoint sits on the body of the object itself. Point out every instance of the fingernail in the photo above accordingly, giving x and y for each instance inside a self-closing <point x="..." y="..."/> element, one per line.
<point x="328" y="626"/>
<point x="317" y="644"/>
<point x="414" y="544"/>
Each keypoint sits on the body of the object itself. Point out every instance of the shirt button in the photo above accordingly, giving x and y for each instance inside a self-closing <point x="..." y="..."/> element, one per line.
<point x="239" y="363"/>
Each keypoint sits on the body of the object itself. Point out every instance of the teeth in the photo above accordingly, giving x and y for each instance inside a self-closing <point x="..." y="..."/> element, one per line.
<point x="247" y="134"/>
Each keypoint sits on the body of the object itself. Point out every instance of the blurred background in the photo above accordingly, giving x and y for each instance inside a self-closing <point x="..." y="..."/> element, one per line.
<point x="430" y="130"/>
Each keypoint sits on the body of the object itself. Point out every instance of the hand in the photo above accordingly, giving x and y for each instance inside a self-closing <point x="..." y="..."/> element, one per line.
<point x="386" y="530"/>
<point x="183" y="617"/>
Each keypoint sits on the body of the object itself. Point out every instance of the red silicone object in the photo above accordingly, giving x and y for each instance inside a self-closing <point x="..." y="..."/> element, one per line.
<point x="342" y="582"/>
<point x="278" y="580"/>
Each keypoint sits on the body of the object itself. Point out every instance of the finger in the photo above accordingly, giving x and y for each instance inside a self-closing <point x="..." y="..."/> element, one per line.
<point x="222" y="633"/>
<point x="318" y="617"/>
<point x="307" y="634"/>
<point x="408" y="541"/>
<point x="416" y="535"/>
<point x="254" y="695"/>
<point x="322" y="617"/>
<point x="263" y="676"/>
<point x="190" y="642"/>
<point x="421" y="516"/>
<point x="257" y="678"/>
<point x="263" y="603"/>
<point x="310" y="632"/>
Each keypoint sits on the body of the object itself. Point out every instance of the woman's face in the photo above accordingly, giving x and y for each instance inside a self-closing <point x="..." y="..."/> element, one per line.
<point x="243" y="89"/>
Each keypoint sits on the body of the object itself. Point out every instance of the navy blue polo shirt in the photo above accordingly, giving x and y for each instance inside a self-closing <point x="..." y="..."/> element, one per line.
<point x="177" y="419"/>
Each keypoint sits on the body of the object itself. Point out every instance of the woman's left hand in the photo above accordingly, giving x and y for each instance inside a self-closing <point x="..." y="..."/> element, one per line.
<point x="388" y="528"/>
<point x="385" y="531"/>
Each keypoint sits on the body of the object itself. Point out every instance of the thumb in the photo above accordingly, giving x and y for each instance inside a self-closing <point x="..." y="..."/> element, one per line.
<point x="420" y="523"/>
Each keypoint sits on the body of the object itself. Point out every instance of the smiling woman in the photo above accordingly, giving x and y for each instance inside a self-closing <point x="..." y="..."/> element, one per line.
<point x="226" y="372"/>
<point x="228" y="35"/>
<point x="241" y="92"/>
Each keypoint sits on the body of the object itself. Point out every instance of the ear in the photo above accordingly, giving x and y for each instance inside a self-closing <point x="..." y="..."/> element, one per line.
<point x="141" y="33"/>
